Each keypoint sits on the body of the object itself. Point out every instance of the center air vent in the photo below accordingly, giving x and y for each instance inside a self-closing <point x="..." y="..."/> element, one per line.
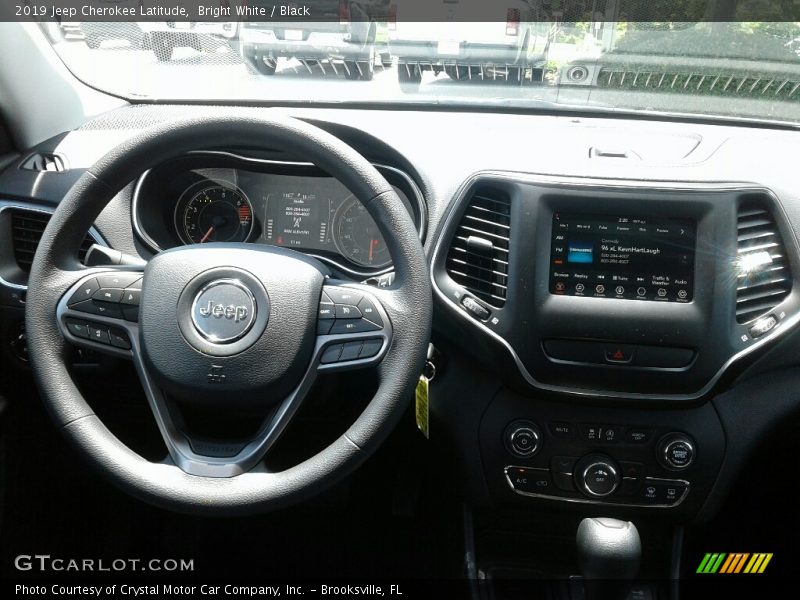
<point x="764" y="278"/>
<point x="27" y="227"/>
<point x="478" y="257"/>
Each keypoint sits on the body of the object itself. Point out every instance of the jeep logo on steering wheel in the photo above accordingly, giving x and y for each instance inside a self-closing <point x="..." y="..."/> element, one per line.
<point x="223" y="311"/>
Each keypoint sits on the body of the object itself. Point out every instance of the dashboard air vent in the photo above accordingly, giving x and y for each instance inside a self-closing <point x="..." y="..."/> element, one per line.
<point x="45" y="161"/>
<point x="27" y="227"/>
<point x="764" y="278"/>
<point x="478" y="257"/>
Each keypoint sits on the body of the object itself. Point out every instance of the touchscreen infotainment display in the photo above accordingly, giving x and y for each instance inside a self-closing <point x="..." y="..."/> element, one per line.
<point x="626" y="257"/>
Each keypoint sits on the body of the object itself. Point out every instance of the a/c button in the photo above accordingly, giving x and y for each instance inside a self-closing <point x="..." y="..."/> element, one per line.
<point x="532" y="481"/>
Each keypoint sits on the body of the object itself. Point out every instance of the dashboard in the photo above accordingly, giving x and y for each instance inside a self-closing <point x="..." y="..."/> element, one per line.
<point x="640" y="311"/>
<point x="226" y="197"/>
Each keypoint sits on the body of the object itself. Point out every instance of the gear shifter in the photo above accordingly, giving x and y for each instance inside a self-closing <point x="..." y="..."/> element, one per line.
<point x="609" y="551"/>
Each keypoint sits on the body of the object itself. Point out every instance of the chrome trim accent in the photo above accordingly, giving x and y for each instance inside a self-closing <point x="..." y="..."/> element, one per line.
<point x="177" y="443"/>
<point x="610" y="468"/>
<point x="513" y="177"/>
<point x="418" y="199"/>
<point x="212" y="339"/>
<point x="597" y="502"/>
<point x="7" y="204"/>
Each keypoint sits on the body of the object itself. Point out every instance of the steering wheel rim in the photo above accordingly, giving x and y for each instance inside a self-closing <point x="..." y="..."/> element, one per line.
<point x="56" y="270"/>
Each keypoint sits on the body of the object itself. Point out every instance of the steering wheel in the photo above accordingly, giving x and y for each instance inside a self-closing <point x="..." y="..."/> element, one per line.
<point x="230" y="327"/>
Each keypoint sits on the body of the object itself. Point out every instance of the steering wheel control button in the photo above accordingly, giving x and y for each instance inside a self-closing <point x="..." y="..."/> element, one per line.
<point x="529" y="481"/>
<point x="118" y="280"/>
<point x="331" y="354"/>
<point x="597" y="476"/>
<point x="326" y="311"/>
<point x="223" y="311"/>
<point x="370" y="348"/>
<point x="369" y="311"/>
<point x="131" y="297"/>
<point x="99" y="335"/>
<point x="102" y="309"/>
<point x="85" y="292"/>
<point x="676" y="451"/>
<point x="347" y="311"/>
<point x="523" y="439"/>
<point x="324" y="326"/>
<point x="350" y="351"/>
<point x="475" y="308"/>
<point x="343" y="296"/>
<point x="119" y="339"/>
<point x="78" y="328"/>
<point x="108" y="295"/>
<point x="353" y="326"/>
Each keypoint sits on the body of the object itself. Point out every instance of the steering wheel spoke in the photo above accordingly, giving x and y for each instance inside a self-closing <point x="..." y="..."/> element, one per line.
<point x="101" y="311"/>
<point x="354" y="330"/>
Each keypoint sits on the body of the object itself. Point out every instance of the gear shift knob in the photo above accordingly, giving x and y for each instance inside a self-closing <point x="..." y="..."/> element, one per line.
<point x="608" y="549"/>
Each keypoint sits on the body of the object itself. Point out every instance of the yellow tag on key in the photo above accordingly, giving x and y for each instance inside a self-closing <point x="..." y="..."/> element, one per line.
<point x="422" y="408"/>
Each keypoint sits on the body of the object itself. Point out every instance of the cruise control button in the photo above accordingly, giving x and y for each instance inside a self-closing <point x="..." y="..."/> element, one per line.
<point x="326" y="311"/>
<point x="108" y="294"/>
<point x="343" y="296"/>
<point x="78" y="328"/>
<point x="324" y="326"/>
<point x="131" y="297"/>
<point x="85" y="292"/>
<point x="350" y="351"/>
<point x="103" y="309"/>
<point x="97" y="334"/>
<point x="347" y="311"/>
<point x="119" y="339"/>
<point x="370" y="348"/>
<point x="353" y="326"/>
<point x="331" y="354"/>
<point x="369" y="310"/>
<point x="118" y="280"/>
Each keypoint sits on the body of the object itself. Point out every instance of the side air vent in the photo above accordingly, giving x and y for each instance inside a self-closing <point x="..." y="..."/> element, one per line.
<point x="478" y="257"/>
<point x="764" y="278"/>
<point x="45" y="161"/>
<point x="27" y="227"/>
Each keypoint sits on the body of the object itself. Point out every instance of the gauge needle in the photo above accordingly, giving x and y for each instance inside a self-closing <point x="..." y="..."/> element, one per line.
<point x="208" y="234"/>
<point x="372" y="244"/>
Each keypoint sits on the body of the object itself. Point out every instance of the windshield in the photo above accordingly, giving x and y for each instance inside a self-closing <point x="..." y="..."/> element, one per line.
<point x="365" y="52"/>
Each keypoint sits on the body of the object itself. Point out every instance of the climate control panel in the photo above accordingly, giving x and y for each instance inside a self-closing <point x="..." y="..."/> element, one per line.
<point x="600" y="476"/>
<point x="583" y="456"/>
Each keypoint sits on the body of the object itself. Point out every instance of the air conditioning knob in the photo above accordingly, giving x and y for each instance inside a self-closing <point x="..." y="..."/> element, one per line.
<point x="597" y="475"/>
<point x="523" y="439"/>
<point x="675" y="451"/>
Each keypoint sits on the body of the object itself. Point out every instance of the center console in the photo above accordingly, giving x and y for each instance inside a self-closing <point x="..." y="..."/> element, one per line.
<point x="616" y="309"/>
<point x="616" y="289"/>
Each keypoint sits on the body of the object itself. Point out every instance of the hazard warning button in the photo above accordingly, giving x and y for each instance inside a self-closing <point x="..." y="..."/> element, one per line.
<point x="619" y="354"/>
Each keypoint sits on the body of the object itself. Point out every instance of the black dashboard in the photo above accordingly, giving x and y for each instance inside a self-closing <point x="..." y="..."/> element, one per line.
<point x="636" y="313"/>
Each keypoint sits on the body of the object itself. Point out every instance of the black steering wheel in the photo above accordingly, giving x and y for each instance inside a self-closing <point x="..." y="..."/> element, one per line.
<point x="233" y="327"/>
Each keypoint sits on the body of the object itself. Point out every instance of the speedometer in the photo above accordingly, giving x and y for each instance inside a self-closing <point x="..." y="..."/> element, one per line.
<point x="357" y="237"/>
<point x="214" y="212"/>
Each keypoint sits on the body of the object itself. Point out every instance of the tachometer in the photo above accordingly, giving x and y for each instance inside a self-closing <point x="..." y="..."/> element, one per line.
<point x="214" y="212"/>
<point x="357" y="237"/>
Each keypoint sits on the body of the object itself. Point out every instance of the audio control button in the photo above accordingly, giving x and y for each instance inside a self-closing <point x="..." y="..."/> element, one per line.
<point x="523" y="439"/>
